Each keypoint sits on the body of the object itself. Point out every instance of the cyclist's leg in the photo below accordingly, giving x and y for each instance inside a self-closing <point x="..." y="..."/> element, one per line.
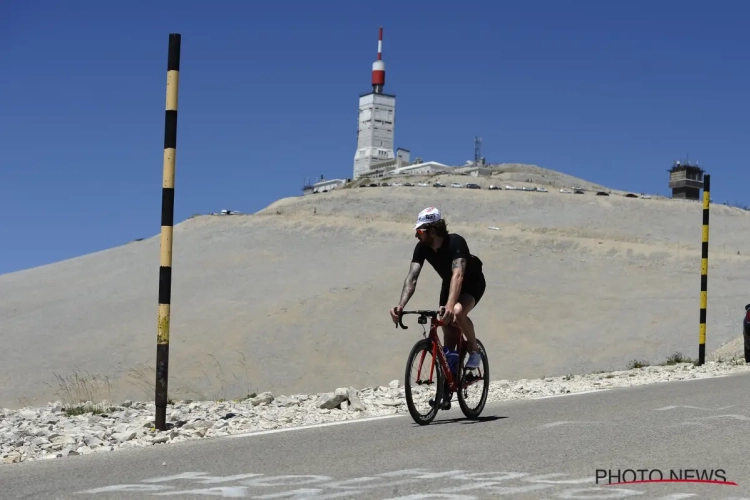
<point x="450" y="332"/>
<point x="464" y="306"/>
<point x="469" y="296"/>
<point x="462" y="323"/>
<point x="467" y="302"/>
<point x="450" y="340"/>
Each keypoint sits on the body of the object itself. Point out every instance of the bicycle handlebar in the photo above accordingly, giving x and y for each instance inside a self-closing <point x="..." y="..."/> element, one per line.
<point x="422" y="312"/>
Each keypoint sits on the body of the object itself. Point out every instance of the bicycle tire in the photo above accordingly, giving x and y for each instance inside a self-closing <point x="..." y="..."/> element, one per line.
<point x="419" y="347"/>
<point x="473" y="414"/>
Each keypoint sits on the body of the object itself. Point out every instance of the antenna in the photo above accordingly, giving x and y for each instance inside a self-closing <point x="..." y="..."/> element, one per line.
<point x="477" y="149"/>
<point x="378" y="67"/>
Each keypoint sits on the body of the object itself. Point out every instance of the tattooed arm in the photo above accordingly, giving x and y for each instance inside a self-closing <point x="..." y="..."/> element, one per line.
<point x="410" y="283"/>
<point x="457" y="279"/>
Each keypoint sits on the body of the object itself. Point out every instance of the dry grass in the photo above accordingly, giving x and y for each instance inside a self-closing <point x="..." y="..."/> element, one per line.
<point x="216" y="387"/>
<point x="81" y="392"/>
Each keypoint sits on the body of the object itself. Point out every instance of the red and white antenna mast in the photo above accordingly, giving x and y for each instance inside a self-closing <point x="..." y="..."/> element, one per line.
<point x="378" y="68"/>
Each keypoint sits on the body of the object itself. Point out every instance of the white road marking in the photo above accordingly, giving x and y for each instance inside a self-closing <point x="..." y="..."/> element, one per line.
<point x="564" y="422"/>
<point x="313" y="426"/>
<point x="605" y="493"/>
<point x="677" y="496"/>
<point x="545" y="478"/>
<point x="736" y="417"/>
<point x="698" y="424"/>
<point x="693" y="407"/>
<point x="447" y="485"/>
<point x="603" y="389"/>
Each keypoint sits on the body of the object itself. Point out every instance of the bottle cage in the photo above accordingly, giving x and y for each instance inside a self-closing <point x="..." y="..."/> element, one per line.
<point x="423" y="321"/>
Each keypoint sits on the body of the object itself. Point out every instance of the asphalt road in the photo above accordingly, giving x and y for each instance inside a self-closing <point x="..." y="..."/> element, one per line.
<point x="546" y="449"/>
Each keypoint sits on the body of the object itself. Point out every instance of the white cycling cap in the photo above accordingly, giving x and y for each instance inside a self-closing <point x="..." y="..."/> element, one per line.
<point x="427" y="216"/>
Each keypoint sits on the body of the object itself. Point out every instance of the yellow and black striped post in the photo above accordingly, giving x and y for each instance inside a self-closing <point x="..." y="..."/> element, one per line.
<point x="704" y="270"/>
<point x="167" y="221"/>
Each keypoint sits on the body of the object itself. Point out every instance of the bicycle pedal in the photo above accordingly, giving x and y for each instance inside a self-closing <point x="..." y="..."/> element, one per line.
<point x="447" y="402"/>
<point x="445" y="405"/>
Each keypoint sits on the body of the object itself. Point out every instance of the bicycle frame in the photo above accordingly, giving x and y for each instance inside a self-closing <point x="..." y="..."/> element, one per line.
<point x="437" y="348"/>
<point x="452" y="383"/>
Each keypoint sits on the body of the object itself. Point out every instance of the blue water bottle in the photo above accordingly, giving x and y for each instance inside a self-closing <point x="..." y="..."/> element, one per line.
<point x="452" y="357"/>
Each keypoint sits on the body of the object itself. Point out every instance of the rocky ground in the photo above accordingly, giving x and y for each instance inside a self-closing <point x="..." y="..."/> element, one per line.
<point x="47" y="432"/>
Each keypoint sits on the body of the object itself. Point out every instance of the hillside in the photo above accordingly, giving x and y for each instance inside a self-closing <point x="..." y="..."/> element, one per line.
<point x="576" y="283"/>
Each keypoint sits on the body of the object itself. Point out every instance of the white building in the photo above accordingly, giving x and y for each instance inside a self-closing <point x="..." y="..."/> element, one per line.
<point x="426" y="168"/>
<point x="375" y="132"/>
<point x="323" y="186"/>
<point x="387" y="167"/>
<point x="473" y="170"/>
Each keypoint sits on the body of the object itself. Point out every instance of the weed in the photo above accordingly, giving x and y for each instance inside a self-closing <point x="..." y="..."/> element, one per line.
<point x="88" y="407"/>
<point x="678" y="358"/>
<point x="78" y="390"/>
<point x="143" y="377"/>
<point x="638" y="364"/>
<point x="244" y="365"/>
<point x="221" y="377"/>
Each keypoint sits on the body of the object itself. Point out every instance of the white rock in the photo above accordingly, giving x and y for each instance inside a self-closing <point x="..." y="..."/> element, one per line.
<point x="331" y="400"/>
<point x="285" y="401"/>
<point x="63" y="440"/>
<point x="391" y="402"/>
<point x="354" y="401"/>
<point x="121" y="437"/>
<point x="265" y="397"/>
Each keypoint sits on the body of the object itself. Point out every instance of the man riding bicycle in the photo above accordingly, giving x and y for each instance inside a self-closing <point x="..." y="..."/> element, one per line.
<point x="463" y="280"/>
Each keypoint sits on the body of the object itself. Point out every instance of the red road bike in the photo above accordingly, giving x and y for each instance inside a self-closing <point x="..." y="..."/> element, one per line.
<point x="439" y="374"/>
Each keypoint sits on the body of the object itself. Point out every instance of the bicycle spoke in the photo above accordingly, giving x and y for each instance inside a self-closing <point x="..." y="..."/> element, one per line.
<point x="474" y="385"/>
<point x="423" y="384"/>
<point x="423" y="387"/>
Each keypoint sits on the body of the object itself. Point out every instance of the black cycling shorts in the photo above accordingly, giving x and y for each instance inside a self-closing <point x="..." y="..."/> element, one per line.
<point x="472" y="286"/>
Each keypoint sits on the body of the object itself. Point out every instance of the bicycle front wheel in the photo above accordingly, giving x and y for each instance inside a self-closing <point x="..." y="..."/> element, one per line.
<point x="423" y="383"/>
<point x="474" y="384"/>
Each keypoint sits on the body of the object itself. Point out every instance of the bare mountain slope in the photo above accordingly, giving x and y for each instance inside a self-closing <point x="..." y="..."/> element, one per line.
<point x="516" y="174"/>
<point x="302" y="288"/>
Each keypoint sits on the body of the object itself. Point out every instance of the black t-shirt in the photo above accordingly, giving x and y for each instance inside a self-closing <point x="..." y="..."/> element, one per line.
<point x="454" y="246"/>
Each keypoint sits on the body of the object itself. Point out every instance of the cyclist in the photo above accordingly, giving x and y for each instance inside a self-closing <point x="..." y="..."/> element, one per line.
<point x="463" y="280"/>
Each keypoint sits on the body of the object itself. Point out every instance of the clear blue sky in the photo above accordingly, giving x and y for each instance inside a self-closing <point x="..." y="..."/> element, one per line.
<point x="609" y="91"/>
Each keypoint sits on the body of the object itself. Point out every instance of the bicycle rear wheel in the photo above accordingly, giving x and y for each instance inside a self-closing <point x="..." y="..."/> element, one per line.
<point x="476" y="381"/>
<point x="429" y="374"/>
